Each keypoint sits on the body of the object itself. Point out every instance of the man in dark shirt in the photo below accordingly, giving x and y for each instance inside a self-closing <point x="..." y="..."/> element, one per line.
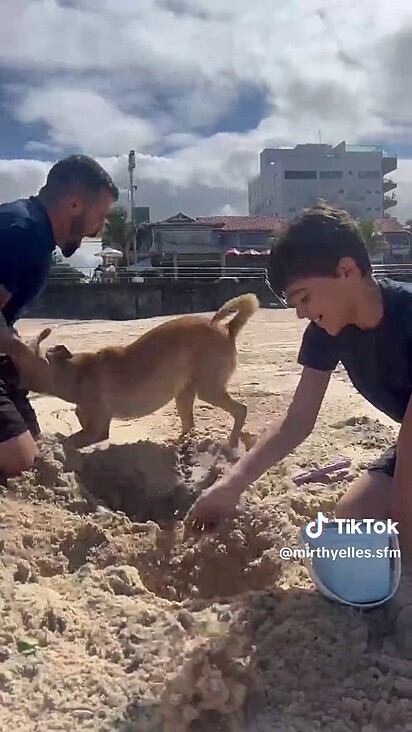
<point x="322" y="267"/>
<point x="73" y="203"/>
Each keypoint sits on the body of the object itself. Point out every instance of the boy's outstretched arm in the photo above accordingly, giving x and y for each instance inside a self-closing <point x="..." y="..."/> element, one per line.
<point x="220" y="500"/>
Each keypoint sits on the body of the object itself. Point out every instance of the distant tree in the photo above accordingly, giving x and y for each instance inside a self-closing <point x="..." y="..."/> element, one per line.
<point x="63" y="271"/>
<point x="118" y="232"/>
<point x="374" y="240"/>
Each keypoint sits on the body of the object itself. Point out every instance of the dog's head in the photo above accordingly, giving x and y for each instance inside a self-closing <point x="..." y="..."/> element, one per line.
<point x="46" y="374"/>
<point x="55" y="354"/>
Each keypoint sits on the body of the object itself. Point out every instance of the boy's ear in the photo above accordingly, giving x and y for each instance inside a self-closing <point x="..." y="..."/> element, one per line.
<point x="346" y="267"/>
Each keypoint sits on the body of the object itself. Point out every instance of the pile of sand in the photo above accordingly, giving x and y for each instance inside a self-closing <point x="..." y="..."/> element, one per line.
<point x="110" y="621"/>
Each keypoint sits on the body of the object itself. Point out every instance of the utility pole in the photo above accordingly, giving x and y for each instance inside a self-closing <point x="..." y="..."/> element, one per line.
<point x="132" y="189"/>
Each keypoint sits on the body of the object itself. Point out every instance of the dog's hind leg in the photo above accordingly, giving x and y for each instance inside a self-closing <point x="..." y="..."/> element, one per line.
<point x="217" y="395"/>
<point x="184" y="405"/>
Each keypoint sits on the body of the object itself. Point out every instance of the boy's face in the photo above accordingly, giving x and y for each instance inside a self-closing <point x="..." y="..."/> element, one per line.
<point x="327" y="301"/>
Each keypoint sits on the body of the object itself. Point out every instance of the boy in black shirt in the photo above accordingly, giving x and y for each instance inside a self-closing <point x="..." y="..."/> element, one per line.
<point x="322" y="267"/>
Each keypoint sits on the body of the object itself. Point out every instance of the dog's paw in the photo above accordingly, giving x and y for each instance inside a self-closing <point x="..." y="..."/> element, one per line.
<point x="230" y="453"/>
<point x="248" y="440"/>
<point x="186" y="437"/>
<point x="77" y="440"/>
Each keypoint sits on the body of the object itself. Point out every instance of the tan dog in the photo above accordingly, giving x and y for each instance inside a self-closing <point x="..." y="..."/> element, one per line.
<point x="186" y="357"/>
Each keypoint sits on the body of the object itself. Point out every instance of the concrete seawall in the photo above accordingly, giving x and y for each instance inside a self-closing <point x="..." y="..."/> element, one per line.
<point x="128" y="301"/>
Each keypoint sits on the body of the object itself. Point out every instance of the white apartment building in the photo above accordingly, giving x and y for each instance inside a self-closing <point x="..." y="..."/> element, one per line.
<point x="351" y="177"/>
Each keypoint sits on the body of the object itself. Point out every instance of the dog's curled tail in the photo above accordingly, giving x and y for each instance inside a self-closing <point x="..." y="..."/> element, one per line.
<point x="244" y="306"/>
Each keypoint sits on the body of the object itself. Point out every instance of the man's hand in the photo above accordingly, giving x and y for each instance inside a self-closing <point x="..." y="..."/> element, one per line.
<point x="9" y="341"/>
<point x="214" y="505"/>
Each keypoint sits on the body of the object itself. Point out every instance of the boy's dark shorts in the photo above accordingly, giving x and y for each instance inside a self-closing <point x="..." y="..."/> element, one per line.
<point x="16" y="413"/>
<point x="385" y="463"/>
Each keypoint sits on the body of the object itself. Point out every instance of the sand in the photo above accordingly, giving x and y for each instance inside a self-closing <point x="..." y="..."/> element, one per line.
<point x="110" y="621"/>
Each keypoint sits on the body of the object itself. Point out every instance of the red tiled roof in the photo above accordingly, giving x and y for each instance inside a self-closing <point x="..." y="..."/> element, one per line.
<point x="390" y="226"/>
<point x="245" y="223"/>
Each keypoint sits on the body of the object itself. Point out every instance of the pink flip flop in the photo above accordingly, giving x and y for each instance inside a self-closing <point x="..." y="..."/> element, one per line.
<point x="319" y="473"/>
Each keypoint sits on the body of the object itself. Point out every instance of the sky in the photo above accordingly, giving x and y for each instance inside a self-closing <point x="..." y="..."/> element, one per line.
<point x="198" y="88"/>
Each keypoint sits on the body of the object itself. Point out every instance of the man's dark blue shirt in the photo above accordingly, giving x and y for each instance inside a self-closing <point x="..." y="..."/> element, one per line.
<point x="26" y="247"/>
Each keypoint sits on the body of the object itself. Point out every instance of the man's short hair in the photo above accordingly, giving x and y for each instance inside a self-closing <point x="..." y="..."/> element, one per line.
<point x="312" y="246"/>
<point x="77" y="173"/>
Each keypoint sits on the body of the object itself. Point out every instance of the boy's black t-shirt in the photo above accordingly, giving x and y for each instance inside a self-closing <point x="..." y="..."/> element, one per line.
<point x="378" y="361"/>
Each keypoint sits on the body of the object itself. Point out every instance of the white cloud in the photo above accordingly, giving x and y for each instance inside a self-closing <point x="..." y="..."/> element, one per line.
<point x="336" y="66"/>
<point x="20" y="178"/>
<point x="78" y="118"/>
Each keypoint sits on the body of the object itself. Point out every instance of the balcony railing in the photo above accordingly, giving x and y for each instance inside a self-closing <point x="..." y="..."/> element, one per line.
<point x="389" y="184"/>
<point x="389" y="201"/>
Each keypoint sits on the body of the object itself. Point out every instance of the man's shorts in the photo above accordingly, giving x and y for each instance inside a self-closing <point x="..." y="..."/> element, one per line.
<point x="16" y="413"/>
<point x="385" y="463"/>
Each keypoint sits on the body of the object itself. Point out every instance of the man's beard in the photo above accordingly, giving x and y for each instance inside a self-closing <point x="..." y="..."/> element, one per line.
<point x="69" y="248"/>
<point x="75" y="236"/>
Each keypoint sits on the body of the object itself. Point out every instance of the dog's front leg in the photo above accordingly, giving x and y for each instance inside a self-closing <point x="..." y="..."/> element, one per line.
<point x="95" y="426"/>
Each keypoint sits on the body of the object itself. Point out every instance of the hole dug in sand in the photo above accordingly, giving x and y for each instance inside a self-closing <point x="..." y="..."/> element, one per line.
<point x="148" y="481"/>
<point x="145" y="480"/>
<point x="237" y="560"/>
<point x="155" y="485"/>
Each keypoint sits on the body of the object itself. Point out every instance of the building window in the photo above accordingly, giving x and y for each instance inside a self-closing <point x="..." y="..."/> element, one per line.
<point x="300" y="174"/>
<point x="341" y="190"/>
<point x="334" y="174"/>
<point x="369" y="174"/>
<point x="368" y="191"/>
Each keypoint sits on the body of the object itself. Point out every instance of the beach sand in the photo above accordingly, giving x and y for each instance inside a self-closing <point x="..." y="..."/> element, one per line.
<point x="110" y="621"/>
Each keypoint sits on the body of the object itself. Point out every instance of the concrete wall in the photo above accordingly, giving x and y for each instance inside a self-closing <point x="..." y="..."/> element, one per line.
<point x="128" y="301"/>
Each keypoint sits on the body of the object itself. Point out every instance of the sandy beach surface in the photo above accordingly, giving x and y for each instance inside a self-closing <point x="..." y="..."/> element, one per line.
<point x="111" y="622"/>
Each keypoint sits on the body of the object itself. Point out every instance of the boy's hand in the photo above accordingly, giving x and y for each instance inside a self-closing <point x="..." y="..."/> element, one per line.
<point x="214" y="505"/>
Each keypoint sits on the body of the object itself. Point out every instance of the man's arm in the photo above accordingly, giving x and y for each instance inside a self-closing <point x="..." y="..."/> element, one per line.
<point x="10" y="342"/>
<point x="285" y="434"/>
<point x="4" y="298"/>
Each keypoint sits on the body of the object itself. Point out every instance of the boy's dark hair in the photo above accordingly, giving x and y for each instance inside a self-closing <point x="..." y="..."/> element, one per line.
<point x="313" y="245"/>
<point x="77" y="173"/>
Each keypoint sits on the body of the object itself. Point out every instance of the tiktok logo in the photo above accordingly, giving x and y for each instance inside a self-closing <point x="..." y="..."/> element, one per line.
<point x="314" y="528"/>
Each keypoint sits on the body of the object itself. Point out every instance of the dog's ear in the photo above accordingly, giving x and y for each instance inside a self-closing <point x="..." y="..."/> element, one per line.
<point x="58" y="353"/>
<point x="34" y="344"/>
<point x="43" y="335"/>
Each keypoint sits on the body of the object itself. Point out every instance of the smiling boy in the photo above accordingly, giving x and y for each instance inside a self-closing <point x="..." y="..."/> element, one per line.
<point x="322" y="267"/>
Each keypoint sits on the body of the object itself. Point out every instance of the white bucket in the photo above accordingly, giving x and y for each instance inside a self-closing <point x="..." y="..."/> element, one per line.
<point x="345" y="574"/>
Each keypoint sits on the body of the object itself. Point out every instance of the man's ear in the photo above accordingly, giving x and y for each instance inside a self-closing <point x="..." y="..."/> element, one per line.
<point x="58" y="353"/>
